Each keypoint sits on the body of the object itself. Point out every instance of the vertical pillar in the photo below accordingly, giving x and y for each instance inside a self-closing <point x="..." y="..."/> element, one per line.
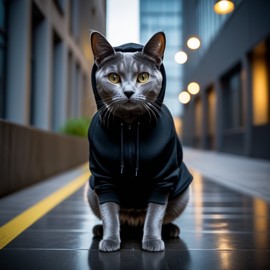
<point x="18" y="61"/>
<point x="204" y="140"/>
<point x="192" y="127"/>
<point x="219" y="116"/>
<point x="247" y="102"/>
<point x="79" y="92"/>
<point x="74" y="89"/>
<point x="42" y="75"/>
<point x="74" y="16"/>
<point x="60" y="77"/>
<point x="69" y="86"/>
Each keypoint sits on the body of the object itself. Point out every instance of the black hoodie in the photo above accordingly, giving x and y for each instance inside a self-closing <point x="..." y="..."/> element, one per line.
<point x="133" y="165"/>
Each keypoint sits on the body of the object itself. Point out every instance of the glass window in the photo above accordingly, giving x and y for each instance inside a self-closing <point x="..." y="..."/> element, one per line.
<point x="36" y="63"/>
<point x="74" y="19"/>
<point x="198" y="117"/>
<point x="161" y="15"/>
<point x="260" y="68"/>
<point x="233" y="99"/>
<point x="69" y="86"/>
<point x="61" y="5"/>
<point x="57" y="89"/>
<point x="3" y="10"/>
<point x="211" y="111"/>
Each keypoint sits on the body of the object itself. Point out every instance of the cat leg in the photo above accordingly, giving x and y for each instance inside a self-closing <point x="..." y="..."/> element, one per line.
<point x="93" y="202"/>
<point x="92" y="199"/>
<point x="175" y="208"/>
<point x="152" y="228"/>
<point x="111" y="227"/>
<point x="109" y="215"/>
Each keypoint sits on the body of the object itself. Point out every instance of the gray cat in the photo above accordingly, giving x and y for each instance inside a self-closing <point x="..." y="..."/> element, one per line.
<point x="138" y="177"/>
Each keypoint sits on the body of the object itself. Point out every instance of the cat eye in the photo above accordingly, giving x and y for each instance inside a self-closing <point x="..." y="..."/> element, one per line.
<point x="143" y="77"/>
<point x="114" y="78"/>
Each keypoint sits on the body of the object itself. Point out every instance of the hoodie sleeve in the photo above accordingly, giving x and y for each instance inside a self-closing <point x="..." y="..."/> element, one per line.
<point x="101" y="180"/>
<point x="167" y="176"/>
<point x="169" y="165"/>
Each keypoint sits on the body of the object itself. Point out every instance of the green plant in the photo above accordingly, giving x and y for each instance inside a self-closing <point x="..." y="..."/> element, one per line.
<point x="76" y="126"/>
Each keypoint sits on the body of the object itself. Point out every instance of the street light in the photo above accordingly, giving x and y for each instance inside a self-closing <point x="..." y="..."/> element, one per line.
<point x="184" y="97"/>
<point x="193" y="43"/>
<point x="193" y="88"/>
<point x="180" y="57"/>
<point x="224" y="6"/>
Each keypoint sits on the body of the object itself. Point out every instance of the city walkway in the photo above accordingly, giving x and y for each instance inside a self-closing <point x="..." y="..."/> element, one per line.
<point x="49" y="226"/>
<point x="243" y="174"/>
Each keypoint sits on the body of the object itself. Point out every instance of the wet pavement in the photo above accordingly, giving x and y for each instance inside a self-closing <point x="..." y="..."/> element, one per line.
<point x="243" y="174"/>
<point x="220" y="229"/>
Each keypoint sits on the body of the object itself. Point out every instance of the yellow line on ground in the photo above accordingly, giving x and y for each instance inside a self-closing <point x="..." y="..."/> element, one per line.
<point x="16" y="226"/>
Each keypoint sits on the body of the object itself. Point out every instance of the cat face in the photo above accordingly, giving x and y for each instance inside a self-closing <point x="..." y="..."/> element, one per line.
<point x="128" y="83"/>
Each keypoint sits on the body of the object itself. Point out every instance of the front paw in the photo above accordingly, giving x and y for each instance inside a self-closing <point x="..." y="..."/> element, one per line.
<point x="153" y="245"/>
<point x="107" y="245"/>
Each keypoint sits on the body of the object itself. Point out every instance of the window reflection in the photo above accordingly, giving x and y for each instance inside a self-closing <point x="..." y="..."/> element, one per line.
<point x="197" y="198"/>
<point x="198" y="121"/>
<point x="260" y="223"/>
<point x="211" y="117"/>
<point x="260" y="83"/>
<point x="233" y="99"/>
<point x="2" y="56"/>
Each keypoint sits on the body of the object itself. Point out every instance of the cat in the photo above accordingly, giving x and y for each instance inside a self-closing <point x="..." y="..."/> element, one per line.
<point x="138" y="177"/>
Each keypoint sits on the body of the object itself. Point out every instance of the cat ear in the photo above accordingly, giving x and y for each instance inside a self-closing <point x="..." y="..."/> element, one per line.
<point x="154" y="48"/>
<point x="101" y="47"/>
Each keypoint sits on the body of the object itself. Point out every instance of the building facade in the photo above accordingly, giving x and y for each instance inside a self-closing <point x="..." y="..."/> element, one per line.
<point x="165" y="15"/>
<point x="45" y="60"/>
<point x="231" y="113"/>
<point x="45" y="71"/>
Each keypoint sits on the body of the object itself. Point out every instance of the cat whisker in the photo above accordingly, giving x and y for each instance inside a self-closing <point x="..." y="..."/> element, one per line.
<point x="151" y="112"/>
<point x="117" y="98"/>
<point x="156" y="110"/>
<point x="105" y="112"/>
<point x="109" y="107"/>
<point x="161" y="108"/>
<point x="111" y="112"/>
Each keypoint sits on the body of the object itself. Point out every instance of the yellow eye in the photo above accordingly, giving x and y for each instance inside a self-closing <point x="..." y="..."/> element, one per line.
<point x="143" y="77"/>
<point x="114" y="78"/>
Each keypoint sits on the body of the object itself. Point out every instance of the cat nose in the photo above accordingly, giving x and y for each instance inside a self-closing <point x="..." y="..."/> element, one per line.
<point x="128" y="93"/>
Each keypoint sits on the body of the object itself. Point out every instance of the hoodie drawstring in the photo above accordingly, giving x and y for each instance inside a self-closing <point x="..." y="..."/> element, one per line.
<point x="122" y="149"/>
<point x="137" y="149"/>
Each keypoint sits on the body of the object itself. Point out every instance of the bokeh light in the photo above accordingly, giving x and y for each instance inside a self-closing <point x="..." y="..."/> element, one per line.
<point x="193" y="43"/>
<point x="180" y="57"/>
<point x="193" y="88"/>
<point x="184" y="97"/>
<point x="224" y="6"/>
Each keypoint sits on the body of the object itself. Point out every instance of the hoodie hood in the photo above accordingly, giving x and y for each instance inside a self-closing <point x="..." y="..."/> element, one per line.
<point x="129" y="47"/>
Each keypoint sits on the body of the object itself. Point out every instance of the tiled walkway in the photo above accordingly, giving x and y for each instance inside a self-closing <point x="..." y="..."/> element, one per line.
<point x="247" y="175"/>
<point x="220" y="229"/>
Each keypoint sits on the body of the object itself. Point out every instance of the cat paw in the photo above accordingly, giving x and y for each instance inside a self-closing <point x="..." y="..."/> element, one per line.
<point x="107" y="245"/>
<point x="170" y="231"/>
<point x="153" y="245"/>
<point x="98" y="231"/>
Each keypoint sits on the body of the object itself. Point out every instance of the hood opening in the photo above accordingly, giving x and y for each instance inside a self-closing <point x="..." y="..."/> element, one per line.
<point x="128" y="47"/>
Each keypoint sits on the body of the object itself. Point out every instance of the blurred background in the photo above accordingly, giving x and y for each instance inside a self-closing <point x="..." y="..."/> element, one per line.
<point x="217" y="62"/>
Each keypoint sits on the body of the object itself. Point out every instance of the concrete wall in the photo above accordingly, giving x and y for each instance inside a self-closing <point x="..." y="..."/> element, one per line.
<point x="29" y="155"/>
